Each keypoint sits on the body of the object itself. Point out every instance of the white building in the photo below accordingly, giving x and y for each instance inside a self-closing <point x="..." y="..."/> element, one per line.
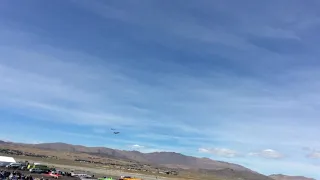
<point x="5" y="160"/>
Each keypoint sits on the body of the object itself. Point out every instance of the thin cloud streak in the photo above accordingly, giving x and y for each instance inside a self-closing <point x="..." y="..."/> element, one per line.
<point x="238" y="96"/>
<point x="220" y="152"/>
<point x="267" y="153"/>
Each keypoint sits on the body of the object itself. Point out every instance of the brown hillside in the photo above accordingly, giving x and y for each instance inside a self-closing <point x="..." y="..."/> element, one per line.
<point x="284" y="177"/>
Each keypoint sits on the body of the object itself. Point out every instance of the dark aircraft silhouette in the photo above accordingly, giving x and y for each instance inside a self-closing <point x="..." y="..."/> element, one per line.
<point x="116" y="132"/>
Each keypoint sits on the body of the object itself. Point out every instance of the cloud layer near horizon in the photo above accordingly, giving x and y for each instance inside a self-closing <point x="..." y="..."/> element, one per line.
<point x="220" y="79"/>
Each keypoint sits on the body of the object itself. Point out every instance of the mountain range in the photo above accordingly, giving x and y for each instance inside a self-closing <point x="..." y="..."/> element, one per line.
<point x="166" y="159"/>
<point x="172" y="159"/>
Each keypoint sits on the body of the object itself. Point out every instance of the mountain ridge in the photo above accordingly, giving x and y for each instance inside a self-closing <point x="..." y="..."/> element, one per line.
<point x="286" y="177"/>
<point x="160" y="158"/>
<point x="172" y="160"/>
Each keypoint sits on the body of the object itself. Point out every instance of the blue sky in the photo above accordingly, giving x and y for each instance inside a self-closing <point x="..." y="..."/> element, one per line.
<point x="224" y="79"/>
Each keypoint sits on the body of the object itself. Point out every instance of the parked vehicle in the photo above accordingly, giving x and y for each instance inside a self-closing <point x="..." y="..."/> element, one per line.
<point x="62" y="173"/>
<point x="89" y="178"/>
<point x="37" y="170"/>
<point x="14" y="165"/>
<point x="38" y="166"/>
<point x="54" y="174"/>
<point x="128" y="178"/>
<point x="3" y="164"/>
<point x="105" y="178"/>
<point x="80" y="175"/>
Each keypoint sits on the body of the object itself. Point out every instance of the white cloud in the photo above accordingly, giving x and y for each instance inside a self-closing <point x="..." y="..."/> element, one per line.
<point x="223" y="152"/>
<point x="267" y="153"/>
<point x="145" y="149"/>
<point x="203" y="150"/>
<point x="136" y="146"/>
<point x="36" y="142"/>
<point x="313" y="153"/>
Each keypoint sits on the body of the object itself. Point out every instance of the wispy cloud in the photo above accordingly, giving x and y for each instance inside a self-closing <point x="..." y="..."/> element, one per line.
<point x="220" y="152"/>
<point x="315" y="155"/>
<point x="149" y="148"/>
<point x="312" y="153"/>
<point x="267" y="153"/>
<point x="136" y="146"/>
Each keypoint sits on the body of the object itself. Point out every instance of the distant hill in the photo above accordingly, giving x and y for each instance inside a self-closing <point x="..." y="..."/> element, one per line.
<point x="175" y="160"/>
<point x="167" y="159"/>
<point x="3" y="142"/>
<point x="161" y="158"/>
<point x="238" y="175"/>
<point x="284" y="177"/>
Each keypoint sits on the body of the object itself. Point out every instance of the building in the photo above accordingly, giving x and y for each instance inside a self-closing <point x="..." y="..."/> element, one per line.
<point x="5" y="160"/>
